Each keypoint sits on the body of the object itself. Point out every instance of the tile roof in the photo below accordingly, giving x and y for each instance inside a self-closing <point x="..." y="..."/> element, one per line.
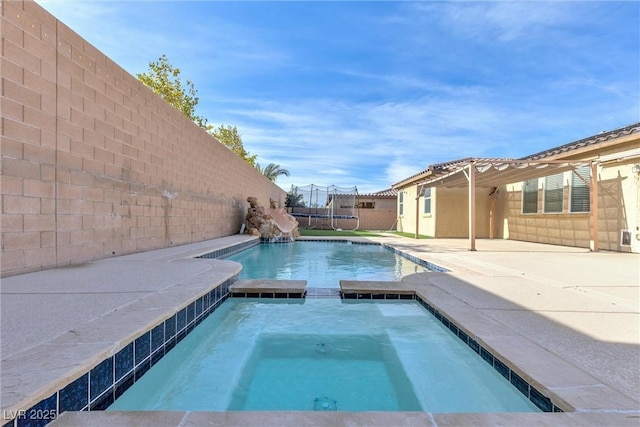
<point x="446" y="167"/>
<point x="389" y="192"/>
<point x="592" y="140"/>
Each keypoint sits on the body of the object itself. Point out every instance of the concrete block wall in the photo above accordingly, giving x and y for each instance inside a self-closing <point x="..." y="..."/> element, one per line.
<point x="94" y="164"/>
<point x="378" y="219"/>
<point x="567" y="229"/>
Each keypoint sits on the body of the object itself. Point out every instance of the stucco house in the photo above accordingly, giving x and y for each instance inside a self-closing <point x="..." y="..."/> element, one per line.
<point x="585" y="193"/>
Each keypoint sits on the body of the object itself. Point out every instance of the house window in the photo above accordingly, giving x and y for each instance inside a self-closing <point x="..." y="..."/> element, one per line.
<point x="553" y="191"/>
<point x="427" y="200"/>
<point x="401" y="203"/>
<point x="367" y="205"/>
<point x="530" y="196"/>
<point x="580" y="189"/>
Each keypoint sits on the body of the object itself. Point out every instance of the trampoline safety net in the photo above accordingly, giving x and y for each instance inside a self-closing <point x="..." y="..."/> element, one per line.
<point x="318" y="206"/>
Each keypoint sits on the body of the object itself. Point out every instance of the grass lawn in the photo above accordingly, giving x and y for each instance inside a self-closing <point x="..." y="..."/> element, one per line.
<point x="410" y="235"/>
<point x="359" y="233"/>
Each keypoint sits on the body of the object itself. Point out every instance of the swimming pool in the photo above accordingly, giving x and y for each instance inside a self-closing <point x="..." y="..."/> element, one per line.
<point x="324" y="264"/>
<point x="322" y="354"/>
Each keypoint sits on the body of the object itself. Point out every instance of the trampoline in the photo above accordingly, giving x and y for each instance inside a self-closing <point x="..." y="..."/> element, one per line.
<point x="325" y="206"/>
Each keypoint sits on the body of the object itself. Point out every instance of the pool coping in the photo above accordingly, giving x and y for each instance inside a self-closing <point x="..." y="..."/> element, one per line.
<point x="617" y="405"/>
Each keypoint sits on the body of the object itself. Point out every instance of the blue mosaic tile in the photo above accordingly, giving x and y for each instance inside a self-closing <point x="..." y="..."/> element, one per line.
<point x="40" y="414"/>
<point x="155" y="357"/>
<point x="75" y="396"/>
<point x="103" y="402"/>
<point x="101" y="378"/>
<point x="181" y="320"/>
<point x="168" y="345"/>
<point x="142" y="369"/>
<point x="170" y="328"/>
<point x="541" y="401"/>
<point x="142" y="347"/>
<point x="501" y="368"/>
<point x="520" y="384"/>
<point x="199" y="306"/>
<point x="181" y="335"/>
<point x="453" y="328"/>
<point x="487" y="356"/>
<point x="124" y="361"/>
<point x="463" y="336"/>
<point x="191" y="312"/>
<point x="123" y="385"/>
<point x="474" y="345"/>
<point x="157" y="337"/>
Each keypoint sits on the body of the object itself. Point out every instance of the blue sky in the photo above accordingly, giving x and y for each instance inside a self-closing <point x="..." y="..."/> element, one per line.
<point x="368" y="93"/>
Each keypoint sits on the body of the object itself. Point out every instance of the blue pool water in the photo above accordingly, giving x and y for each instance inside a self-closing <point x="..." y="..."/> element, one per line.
<point x="322" y="354"/>
<point x="323" y="264"/>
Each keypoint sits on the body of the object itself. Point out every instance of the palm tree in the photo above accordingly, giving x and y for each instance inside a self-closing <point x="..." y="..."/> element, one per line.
<point x="272" y="171"/>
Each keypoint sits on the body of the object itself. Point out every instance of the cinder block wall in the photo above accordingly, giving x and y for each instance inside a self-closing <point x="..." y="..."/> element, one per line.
<point x="568" y="229"/>
<point x="94" y="164"/>
<point x="378" y="219"/>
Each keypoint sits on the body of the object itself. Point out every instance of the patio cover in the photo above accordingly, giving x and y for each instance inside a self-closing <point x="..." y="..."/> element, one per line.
<point x="472" y="173"/>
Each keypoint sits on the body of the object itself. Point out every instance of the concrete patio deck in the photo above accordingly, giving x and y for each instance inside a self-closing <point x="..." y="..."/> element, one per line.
<point x="579" y="310"/>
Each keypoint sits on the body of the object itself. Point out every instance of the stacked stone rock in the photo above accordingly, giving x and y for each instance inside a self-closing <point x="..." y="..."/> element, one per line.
<point x="260" y="223"/>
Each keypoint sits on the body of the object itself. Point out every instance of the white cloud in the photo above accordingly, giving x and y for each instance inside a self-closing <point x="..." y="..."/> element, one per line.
<point x="503" y="20"/>
<point x="448" y="80"/>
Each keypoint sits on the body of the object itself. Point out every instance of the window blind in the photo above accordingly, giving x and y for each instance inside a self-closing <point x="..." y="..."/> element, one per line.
<point x="580" y="179"/>
<point x="553" y="192"/>
<point x="530" y="196"/>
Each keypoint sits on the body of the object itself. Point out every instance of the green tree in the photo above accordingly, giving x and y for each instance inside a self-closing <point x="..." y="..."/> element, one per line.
<point x="165" y="81"/>
<point x="229" y="136"/>
<point x="294" y="200"/>
<point x="272" y="171"/>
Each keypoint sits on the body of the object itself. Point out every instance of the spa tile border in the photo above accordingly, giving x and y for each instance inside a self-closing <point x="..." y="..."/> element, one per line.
<point x="276" y="240"/>
<point x="431" y="266"/>
<point x="529" y="391"/>
<point x="109" y="379"/>
<point x="267" y="294"/>
<point x="229" y="250"/>
<point x="98" y="388"/>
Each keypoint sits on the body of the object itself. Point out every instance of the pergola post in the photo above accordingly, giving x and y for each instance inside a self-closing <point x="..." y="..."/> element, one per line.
<point x="472" y="206"/>
<point x="593" y="205"/>
<point x="417" y="234"/>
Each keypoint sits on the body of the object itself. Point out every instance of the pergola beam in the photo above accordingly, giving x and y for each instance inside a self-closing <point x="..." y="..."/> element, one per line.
<point x="488" y="173"/>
